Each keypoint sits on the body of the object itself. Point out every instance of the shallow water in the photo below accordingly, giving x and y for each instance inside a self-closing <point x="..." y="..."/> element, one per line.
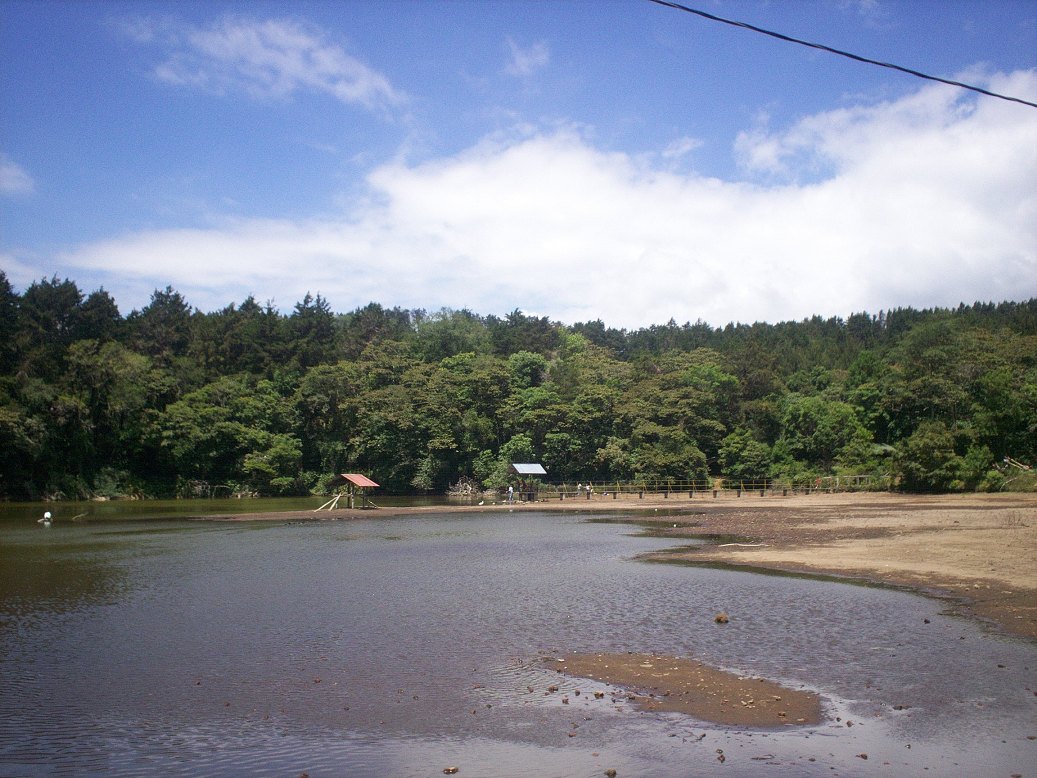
<point x="114" y="510"/>
<point x="402" y="646"/>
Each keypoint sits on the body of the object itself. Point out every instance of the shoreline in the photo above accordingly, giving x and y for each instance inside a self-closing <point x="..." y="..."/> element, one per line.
<point x="976" y="551"/>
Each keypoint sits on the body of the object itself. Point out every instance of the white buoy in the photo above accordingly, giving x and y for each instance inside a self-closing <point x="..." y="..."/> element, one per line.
<point x="45" y="521"/>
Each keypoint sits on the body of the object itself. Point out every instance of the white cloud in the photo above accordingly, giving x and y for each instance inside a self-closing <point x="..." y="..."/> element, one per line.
<point x="681" y="147"/>
<point x="930" y="200"/>
<point x="13" y="179"/>
<point x="265" y="59"/>
<point x="525" y="62"/>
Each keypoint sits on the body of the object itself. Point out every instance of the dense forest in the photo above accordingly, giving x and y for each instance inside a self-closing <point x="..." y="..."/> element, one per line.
<point x="173" y="401"/>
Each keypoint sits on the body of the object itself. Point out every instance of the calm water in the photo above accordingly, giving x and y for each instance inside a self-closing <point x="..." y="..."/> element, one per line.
<point x="398" y="647"/>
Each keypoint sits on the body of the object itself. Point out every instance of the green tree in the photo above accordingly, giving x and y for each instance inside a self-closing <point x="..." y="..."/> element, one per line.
<point x="660" y="452"/>
<point x="47" y="325"/>
<point x="98" y="318"/>
<point x="926" y="461"/>
<point x="328" y="403"/>
<point x="311" y="334"/>
<point x="744" y="458"/>
<point x="817" y="431"/>
<point x="8" y="325"/>
<point x="246" y="339"/>
<point x="162" y="329"/>
<point x="448" y="333"/>
<point x="235" y="430"/>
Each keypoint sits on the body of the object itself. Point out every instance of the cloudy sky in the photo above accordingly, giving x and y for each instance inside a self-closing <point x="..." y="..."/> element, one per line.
<point x="612" y="160"/>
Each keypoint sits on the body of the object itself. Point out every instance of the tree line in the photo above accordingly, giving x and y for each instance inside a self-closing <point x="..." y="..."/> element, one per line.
<point x="169" y="400"/>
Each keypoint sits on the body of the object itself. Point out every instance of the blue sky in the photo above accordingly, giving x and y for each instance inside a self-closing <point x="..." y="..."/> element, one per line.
<point x="576" y="160"/>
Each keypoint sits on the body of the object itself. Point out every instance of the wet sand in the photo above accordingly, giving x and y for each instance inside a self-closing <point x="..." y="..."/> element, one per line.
<point x="679" y="685"/>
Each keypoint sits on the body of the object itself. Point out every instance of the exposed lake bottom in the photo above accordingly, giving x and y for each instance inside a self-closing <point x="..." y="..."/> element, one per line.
<point x="403" y="647"/>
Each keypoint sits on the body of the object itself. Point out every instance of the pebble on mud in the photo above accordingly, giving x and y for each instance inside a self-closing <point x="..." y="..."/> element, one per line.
<point x="665" y="683"/>
<point x="721" y="618"/>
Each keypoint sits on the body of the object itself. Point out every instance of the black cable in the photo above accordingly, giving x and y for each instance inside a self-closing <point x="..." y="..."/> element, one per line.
<point x="858" y="58"/>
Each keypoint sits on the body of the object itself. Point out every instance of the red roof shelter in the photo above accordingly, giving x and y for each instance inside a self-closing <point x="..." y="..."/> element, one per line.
<point x="359" y="480"/>
<point x="356" y="482"/>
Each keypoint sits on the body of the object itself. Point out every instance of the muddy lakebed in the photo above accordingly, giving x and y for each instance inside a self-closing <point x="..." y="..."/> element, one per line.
<point x="410" y="645"/>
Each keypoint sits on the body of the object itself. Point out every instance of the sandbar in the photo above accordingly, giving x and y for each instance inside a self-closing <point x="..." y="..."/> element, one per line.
<point x="679" y="685"/>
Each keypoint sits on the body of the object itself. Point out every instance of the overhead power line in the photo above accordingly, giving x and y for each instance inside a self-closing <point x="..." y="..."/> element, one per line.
<point x="829" y="49"/>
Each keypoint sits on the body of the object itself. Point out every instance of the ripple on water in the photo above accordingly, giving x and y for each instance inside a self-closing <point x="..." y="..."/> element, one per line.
<point x="282" y="651"/>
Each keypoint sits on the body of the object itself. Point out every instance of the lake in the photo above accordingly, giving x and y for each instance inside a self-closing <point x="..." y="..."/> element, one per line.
<point x="403" y="646"/>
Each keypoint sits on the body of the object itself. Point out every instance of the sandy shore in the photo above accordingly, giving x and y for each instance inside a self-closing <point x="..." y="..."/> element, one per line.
<point x="979" y="552"/>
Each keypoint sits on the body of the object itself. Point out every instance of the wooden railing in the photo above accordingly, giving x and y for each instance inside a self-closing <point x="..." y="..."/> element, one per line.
<point x="714" y="487"/>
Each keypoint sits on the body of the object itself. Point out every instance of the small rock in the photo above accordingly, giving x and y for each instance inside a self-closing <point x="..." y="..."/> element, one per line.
<point x="721" y="618"/>
<point x="451" y="770"/>
<point x="610" y="773"/>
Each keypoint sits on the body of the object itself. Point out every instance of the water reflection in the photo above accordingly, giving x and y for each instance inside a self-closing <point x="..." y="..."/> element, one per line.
<point x="401" y="646"/>
<point x="44" y="573"/>
<point x="66" y="513"/>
